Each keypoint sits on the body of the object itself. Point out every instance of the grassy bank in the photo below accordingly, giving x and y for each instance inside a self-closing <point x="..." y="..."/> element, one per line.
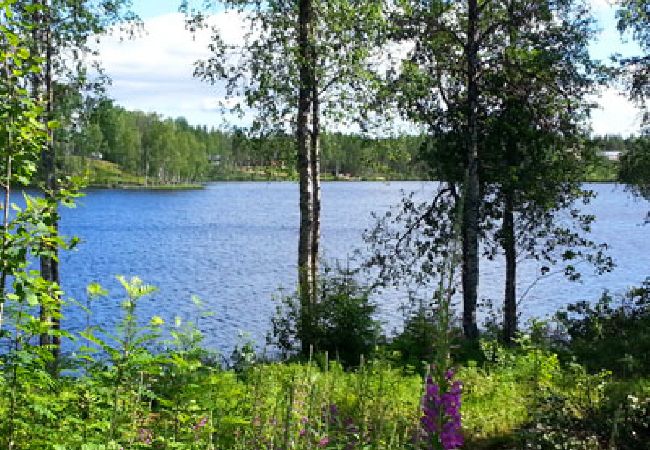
<point x="101" y="174"/>
<point x="115" y="392"/>
<point x="105" y="174"/>
<point x="273" y="173"/>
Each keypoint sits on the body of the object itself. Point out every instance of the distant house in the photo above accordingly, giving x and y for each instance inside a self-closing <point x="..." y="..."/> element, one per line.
<point x="611" y="155"/>
<point x="214" y="160"/>
<point x="96" y="155"/>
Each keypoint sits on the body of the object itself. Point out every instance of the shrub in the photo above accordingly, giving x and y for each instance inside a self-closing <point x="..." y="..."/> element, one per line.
<point x="414" y="345"/>
<point x="341" y="323"/>
<point x="613" y="334"/>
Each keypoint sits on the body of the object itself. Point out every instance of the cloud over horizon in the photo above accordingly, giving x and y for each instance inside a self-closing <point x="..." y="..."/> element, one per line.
<point x="154" y="72"/>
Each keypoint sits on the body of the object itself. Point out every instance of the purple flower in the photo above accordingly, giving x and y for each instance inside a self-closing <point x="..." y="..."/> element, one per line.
<point x="145" y="436"/>
<point x="201" y="423"/>
<point x="441" y="418"/>
<point x="324" y="441"/>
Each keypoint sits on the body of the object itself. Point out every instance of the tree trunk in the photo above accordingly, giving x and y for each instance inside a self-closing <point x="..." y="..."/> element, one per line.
<point x="315" y="174"/>
<point x="305" y="281"/>
<point x="509" y="247"/>
<point x="471" y="194"/>
<point x="5" y="230"/>
<point x="5" y="210"/>
<point x="49" y="264"/>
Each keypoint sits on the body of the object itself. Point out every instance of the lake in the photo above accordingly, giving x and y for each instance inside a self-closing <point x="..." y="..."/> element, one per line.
<point x="234" y="245"/>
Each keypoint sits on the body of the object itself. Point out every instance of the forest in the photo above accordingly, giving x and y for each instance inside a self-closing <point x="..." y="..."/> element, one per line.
<point x="146" y="149"/>
<point x="497" y="94"/>
<point x="115" y="147"/>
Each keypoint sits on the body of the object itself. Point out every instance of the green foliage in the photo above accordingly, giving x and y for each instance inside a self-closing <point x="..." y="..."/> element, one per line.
<point x="633" y="18"/>
<point x="612" y="334"/>
<point x="598" y="419"/>
<point x="340" y="323"/>
<point x="414" y="344"/>
<point x="634" y="167"/>
<point x="430" y="334"/>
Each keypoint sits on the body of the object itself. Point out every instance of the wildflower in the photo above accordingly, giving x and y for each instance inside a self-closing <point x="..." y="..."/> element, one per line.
<point x="441" y="418"/>
<point x="201" y="423"/>
<point x="324" y="441"/>
<point x="145" y="436"/>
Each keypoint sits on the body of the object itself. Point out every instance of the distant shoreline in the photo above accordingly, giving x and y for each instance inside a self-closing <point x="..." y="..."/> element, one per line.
<point x="202" y="185"/>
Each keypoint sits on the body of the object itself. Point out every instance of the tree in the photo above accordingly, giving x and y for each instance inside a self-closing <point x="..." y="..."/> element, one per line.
<point x="634" y="17"/>
<point x="21" y="133"/>
<point x="302" y="61"/>
<point x="61" y="30"/>
<point x="535" y="157"/>
<point x="27" y="233"/>
<point x="438" y="85"/>
<point x="500" y="86"/>
<point x="634" y="168"/>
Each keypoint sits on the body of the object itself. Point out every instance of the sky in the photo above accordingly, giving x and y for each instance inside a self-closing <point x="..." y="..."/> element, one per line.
<point x="153" y="72"/>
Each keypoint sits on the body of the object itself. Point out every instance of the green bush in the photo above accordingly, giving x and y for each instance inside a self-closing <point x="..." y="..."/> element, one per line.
<point x="413" y="346"/>
<point x="341" y="323"/>
<point x="613" y="334"/>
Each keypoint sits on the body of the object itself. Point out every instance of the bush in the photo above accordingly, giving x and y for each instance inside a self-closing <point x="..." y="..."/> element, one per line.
<point x="613" y="334"/>
<point x="340" y="323"/>
<point x="414" y="345"/>
<point x="612" y="423"/>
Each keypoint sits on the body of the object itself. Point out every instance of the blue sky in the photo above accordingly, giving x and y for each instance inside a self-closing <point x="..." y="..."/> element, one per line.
<point x="147" y="9"/>
<point x="154" y="72"/>
<point x="151" y="8"/>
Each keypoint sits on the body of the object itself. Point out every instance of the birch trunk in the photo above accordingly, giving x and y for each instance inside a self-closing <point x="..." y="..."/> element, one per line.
<point x="305" y="167"/>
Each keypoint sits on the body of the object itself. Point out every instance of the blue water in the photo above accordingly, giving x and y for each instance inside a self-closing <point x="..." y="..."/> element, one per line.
<point x="234" y="245"/>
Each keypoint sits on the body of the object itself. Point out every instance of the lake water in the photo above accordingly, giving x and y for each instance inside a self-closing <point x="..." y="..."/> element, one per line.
<point x="234" y="245"/>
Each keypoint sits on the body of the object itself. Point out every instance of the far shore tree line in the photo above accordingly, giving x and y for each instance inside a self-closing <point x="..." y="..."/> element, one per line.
<point x="162" y="150"/>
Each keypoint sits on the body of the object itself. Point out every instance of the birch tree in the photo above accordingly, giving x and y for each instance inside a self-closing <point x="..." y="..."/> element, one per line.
<point x="303" y="64"/>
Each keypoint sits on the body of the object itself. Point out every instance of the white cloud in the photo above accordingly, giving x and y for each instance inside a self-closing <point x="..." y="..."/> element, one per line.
<point x="153" y="73"/>
<point x="617" y="115"/>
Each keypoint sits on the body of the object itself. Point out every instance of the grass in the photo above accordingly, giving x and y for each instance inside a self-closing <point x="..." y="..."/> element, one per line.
<point x="116" y="393"/>
<point x="178" y="402"/>
<point x="603" y="171"/>
<point x="108" y="175"/>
